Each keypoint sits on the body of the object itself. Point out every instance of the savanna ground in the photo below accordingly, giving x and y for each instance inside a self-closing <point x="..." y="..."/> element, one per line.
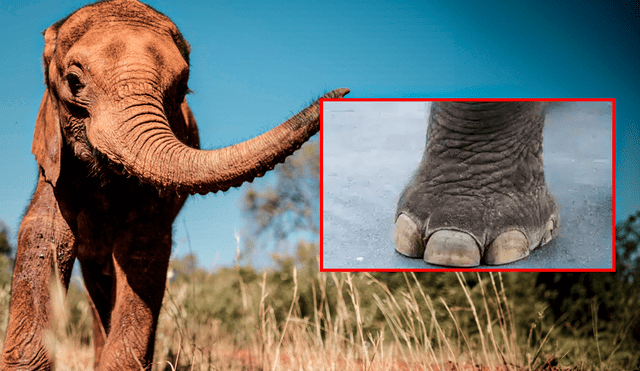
<point x="295" y="318"/>
<point x="290" y="316"/>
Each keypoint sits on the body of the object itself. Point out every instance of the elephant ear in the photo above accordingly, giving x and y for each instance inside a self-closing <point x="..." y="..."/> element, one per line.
<point x="50" y="42"/>
<point x="47" y="140"/>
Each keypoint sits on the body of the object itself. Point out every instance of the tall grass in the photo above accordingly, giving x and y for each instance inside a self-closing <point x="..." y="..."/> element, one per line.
<point x="270" y="329"/>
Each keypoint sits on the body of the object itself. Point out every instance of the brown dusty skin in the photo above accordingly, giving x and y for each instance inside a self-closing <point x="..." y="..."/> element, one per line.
<point x="118" y="152"/>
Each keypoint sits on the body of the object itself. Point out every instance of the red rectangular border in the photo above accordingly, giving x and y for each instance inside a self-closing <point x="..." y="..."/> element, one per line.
<point x="613" y="179"/>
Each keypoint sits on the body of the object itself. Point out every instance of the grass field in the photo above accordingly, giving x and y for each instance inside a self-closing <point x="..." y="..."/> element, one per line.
<point x="300" y="319"/>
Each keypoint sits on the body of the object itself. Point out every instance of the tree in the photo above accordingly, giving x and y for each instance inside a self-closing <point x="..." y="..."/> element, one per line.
<point x="289" y="206"/>
<point x="627" y="255"/>
<point x="5" y="246"/>
<point x="612" y="297"/>
<point x="5" y="255"/>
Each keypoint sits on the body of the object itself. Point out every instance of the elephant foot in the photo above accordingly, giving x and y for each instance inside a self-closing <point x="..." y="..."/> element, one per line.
<point x="479" y="195"/>
<point x="455" y="248"/>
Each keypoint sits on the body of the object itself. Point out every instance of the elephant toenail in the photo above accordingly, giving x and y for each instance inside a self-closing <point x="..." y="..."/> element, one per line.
<point x="506" y="248"/>
<point x="407" y="237"/>
<point x="452" y="248"/>
<point x="548" y="233"/>
<point x="551" y="229"/>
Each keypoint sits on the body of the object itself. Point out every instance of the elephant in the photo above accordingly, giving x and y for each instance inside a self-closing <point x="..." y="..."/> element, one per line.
<point x="479" y="193"/>
<point x="118" y="154"/>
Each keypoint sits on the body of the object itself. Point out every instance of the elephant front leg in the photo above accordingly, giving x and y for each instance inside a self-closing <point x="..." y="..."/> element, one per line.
<point x="98" y="280"/>
<point x="45" y="241"/>
<point x="479" y="195"/>
<point x="140" y="269"/>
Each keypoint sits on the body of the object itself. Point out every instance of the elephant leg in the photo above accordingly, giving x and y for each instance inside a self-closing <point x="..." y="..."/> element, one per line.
<point x="98" y="281"/>
<point x="140" y="259"/>
<point x="45" y="241"/>
<point x="479" y="194"/>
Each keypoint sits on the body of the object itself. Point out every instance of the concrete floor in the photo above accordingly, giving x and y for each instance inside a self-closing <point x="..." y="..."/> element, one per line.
<point x="372" y="148"/>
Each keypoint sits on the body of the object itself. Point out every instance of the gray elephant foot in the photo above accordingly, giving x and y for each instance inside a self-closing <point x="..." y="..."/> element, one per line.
<point x="479" y="195"/>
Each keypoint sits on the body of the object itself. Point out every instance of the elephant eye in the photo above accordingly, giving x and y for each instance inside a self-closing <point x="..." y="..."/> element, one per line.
<point x="75" y="84"/>
<point x="182" y="91"/>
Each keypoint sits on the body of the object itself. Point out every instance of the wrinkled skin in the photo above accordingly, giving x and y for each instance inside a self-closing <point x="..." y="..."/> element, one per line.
<point x="479" y="194"/>
<point x="117" y="149"/>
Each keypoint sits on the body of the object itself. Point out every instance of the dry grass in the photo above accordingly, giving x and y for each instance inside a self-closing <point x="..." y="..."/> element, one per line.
<point x="417" y="332"/>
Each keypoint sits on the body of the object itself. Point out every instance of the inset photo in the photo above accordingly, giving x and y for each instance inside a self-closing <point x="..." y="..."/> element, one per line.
<point x="459" y="184"/>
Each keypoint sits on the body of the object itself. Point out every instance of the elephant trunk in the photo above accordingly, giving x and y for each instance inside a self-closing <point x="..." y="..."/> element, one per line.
<point x="148" y="149"/>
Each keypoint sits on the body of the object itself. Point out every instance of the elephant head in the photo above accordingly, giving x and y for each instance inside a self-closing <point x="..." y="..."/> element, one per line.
<point x="116" y="77"/>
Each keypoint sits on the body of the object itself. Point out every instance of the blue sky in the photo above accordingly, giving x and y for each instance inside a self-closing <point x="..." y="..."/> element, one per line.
<point x="253" y="64"/>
